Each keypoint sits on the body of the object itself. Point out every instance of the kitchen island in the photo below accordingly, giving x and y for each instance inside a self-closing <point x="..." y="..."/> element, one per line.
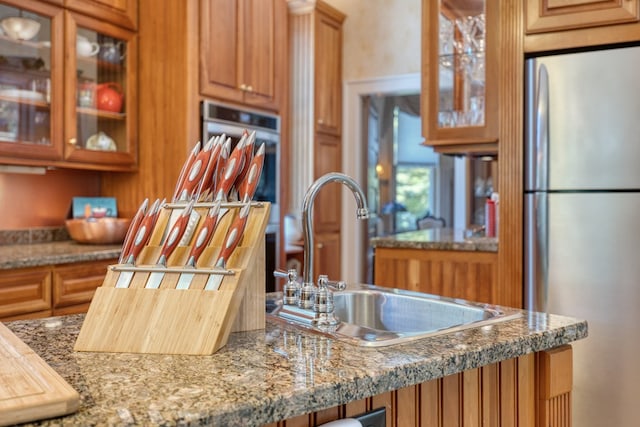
<point x="445" y="262"/>
<point x="283" y="372"/>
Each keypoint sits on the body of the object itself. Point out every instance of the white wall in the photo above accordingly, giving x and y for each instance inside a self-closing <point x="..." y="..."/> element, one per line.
<point x="380" y="37"/>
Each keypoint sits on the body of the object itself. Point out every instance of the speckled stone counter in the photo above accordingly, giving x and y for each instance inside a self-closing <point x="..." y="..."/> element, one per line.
<point x="39" y="254"/>
<point x="447" y="239"/>
<point x="268" y="375"/>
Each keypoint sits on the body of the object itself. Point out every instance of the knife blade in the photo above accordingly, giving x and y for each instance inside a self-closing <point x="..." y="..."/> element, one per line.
<point x="231" y="241"/>
<point x="203" y="238"/>
<point x="178" y="229"/>
<point x="140" y="240"/>
<point x="185" y="169"/>
<point x="133" y="229"/>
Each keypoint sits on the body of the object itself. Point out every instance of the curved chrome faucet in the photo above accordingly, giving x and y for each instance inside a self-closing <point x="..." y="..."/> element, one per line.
<point x="307" y="209"/>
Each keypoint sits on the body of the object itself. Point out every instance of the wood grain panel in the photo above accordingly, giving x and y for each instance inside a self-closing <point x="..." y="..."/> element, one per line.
<point x="559" y="15"/>
<point x="510" y="157"/>
<point x="25" y="290"/>
<point x="497" y="395"/>
<point x="76" y="284"/>
<point x="455" y="274"/>
<point x="356" y="407"/>
<point x="328" y="75"/>
<point x="327" y="415"/>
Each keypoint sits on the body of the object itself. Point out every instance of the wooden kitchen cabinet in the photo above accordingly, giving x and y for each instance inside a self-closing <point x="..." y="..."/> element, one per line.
<point x="454" y="274"/>
<point x="459" y="72"/>
<point x="316" y="117"/>
<point x="553" y="15"/>
<point x="25" y="293"/>
<point x="68" y="94"/>
<point x="243" y="45"/>
<point x="328" y="71"/>
<point x="123" y="13"/>
<point x="75" y="284"/>
<point x="28" y="293"/>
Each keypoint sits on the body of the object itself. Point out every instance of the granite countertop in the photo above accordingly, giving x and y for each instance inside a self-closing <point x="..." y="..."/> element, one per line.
<point x="268" y="375"/>
<point x="447" y="239"/>
<point x="50" y="253"/>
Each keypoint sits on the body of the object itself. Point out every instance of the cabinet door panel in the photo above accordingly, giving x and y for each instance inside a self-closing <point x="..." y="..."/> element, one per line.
<point x="219" y="46"/>
<point x="256" y="34"/>
<point x="75" y="284"/>
<point x="327" y="256"/>
<point x="25" y="290"/>
<point x="559" y="15"/>
<point x="120" y="12"/>
<point x="328" y="204"/>
<point x="328" y="90"/>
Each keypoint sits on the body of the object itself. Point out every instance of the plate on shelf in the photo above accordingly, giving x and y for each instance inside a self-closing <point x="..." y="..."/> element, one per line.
<point x="22" y="94"/>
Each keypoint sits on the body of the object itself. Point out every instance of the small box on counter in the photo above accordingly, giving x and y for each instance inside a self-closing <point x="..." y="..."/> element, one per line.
<point x="94" y="207"/>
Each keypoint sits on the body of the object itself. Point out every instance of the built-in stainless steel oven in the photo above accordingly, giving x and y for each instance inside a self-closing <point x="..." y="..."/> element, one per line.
<point x="219" y="118"/>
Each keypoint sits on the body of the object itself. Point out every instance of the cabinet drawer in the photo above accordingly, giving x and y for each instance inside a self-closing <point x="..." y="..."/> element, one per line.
<point x="76" y="283"/>
<point x="24" y="291"/>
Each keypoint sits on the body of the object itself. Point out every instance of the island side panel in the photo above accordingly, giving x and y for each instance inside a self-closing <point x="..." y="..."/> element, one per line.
<point x="497" y="395"/>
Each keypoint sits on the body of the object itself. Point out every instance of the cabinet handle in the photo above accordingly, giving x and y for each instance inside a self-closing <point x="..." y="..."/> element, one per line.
<point x="243" y="86"/>
<point x="320" y="121"/>
<point x="319" y="246"/>
<point x="73" y="141"/>
<point x="250" y="88"/>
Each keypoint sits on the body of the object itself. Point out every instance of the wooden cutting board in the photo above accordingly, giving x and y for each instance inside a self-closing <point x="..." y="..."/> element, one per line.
<point x="29" y="388"/>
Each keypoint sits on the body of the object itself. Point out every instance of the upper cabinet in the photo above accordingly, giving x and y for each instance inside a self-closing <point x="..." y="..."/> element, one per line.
<point x="123" y="13"/>
<point x="554" y="15"/>
<point x="67" y="89"/>
<point x="459" y="75"/>
<point x="243" y="46"/>
<point x="328" y="71"/>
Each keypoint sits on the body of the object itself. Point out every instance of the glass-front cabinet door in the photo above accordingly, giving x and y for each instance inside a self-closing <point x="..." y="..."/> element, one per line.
<point x="30" y="81"/>
<point x="100" y="96"/>
<point x="459" y="79"/>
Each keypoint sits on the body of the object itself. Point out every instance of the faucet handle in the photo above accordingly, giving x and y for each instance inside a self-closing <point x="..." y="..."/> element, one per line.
<point x="291" y="288"/>
<point x="324" y="282"/>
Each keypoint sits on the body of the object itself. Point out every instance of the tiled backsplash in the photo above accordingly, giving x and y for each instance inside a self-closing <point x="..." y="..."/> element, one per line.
<point x="33" y="235"/>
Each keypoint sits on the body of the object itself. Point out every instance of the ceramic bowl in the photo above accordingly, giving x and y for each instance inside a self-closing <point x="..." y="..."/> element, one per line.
<point x="19" y="28"/>
<point x="98" y="230"/>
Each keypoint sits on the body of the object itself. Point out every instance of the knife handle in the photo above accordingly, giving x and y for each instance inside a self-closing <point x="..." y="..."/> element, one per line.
<point x="133" y="229"/>
<point x="246" y="158"/>
<point x="196" y="172"/>
<point x="176" y="233"/>
<point x="143" y="233"/>
<point x="250" y="184"/>
<point x="222" y="161"/>
<point x="233" y="236"/>
<point x="185" y="169"/>
<point x="209" y="174"/>
<point x="208" y="227"/>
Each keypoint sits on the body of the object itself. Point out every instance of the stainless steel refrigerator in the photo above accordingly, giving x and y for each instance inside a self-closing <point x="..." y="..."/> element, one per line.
<point x="582" y="219"/>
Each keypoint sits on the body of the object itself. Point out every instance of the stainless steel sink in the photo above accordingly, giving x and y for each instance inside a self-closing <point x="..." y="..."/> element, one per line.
<point x="373" y="316"/>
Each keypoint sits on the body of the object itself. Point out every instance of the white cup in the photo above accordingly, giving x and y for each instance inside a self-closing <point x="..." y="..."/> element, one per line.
<point x="86" y="48"/>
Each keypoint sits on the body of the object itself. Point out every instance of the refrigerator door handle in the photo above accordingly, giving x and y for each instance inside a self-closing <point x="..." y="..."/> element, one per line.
<point x="541" y="154"/>
<point x="536" y="251"/>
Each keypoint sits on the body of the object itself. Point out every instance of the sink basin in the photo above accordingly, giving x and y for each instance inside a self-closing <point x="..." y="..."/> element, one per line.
<point x="374" y="316"/>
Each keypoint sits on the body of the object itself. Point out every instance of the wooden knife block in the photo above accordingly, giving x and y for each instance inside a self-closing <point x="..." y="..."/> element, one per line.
<point x="182" y="321"/>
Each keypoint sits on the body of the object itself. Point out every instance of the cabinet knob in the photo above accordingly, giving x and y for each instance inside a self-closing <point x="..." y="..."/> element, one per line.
<point x="249" y="88"/>
<point x="73" y="141"/>
<point x="319" y="246"/>
<point x="243" y="86"/>
<point x="320" y="121"/>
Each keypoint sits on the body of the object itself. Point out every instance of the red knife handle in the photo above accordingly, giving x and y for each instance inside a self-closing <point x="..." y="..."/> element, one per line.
<point x="206" y="183"/>
<point x="208" y="227"/>
<point x="143" y="233"/>
<point x="247" y="157"/>
<point x="234" y="234"/>
<point x="250" y="184"/>
<point x="185" y="169"/>
<point x="175" y="234"/>
<point x="195" y="173"/>
<point x="133" y="229"/>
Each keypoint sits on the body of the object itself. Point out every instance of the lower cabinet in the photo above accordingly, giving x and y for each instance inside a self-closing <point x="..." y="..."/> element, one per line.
<point x="529" y="391"/>
<point x="29" y="293"/>
<point x="454" y="274"/>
